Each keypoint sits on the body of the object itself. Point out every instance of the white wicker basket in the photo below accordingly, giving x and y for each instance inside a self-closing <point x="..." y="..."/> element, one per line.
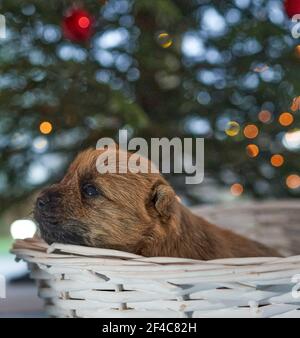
<point x="79" y="281"/>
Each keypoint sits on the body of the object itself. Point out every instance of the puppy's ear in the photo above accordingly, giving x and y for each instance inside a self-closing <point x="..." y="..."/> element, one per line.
<point x="164" y="198"/>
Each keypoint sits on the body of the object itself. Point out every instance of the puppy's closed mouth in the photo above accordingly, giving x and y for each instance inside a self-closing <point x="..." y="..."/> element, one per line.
<point x="63" y="235"/>
<point x="69" y="232"/>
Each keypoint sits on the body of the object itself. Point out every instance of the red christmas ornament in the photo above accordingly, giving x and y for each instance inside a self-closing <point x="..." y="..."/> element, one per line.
<point x="77" y="25"/>
<point x="292" y="7"/>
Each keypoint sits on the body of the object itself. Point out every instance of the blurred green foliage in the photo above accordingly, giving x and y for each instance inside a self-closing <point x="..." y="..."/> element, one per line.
<point x="5" y="245"/>
<point x="124" y="78"/>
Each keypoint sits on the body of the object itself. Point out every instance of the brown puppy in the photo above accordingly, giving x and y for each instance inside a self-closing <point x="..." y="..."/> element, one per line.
<point x="137" y="213"/>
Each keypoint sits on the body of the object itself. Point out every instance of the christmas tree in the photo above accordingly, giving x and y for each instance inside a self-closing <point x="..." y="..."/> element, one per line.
<point x="227" y="71"/>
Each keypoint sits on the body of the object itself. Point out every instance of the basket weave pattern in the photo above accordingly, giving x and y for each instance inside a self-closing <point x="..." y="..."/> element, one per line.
<point x="78" y="281"/>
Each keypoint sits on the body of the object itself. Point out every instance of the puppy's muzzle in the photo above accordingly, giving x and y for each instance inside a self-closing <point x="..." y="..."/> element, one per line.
<point x="50" y="214"/>
<point x="47" y="208"/>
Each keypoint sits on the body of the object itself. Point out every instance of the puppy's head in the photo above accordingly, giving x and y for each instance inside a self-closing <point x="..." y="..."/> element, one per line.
<point x="113" y="210"/>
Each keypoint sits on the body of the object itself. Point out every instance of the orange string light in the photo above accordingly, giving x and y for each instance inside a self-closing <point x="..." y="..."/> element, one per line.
<point x="297" y="51"/>
<point x="277" y="160"/>
<point x="252" y="150"/>
<point x="251" y="131"/>
<point x="46" y="127"/>
<point x="236" y="189"/>
<point x="286" y="119"/>
<point x="293" y="181"/>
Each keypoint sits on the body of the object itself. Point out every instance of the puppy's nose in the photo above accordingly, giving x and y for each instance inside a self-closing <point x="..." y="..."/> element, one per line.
<point x="48" y="199"/>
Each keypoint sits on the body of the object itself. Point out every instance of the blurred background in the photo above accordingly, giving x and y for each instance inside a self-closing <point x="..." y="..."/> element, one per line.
<point x="73" y="72"/>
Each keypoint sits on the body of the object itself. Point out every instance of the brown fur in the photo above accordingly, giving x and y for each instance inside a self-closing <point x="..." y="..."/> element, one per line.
<point x="137" y="213"/>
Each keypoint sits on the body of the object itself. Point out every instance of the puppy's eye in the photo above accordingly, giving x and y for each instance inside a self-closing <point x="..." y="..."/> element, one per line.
<point x="90" y="190"/>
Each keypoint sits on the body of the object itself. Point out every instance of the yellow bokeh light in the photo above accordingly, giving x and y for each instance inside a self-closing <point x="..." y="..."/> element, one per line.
<point x="293" y="181"/>
<point x="232" y="128"/>
<point x="236" y="189"/>
<point x="252" y="150"/>
<point x="277" y="160"/>
<point x="165" y="40"/>
<point x="286" y="119"/>
<point x="46" y="127"/>
<point x="251" y="131"/>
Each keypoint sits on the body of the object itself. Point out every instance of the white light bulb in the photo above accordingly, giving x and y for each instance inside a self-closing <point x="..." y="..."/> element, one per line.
<point x="22" y="228"/>
<point x="291" y="140"/>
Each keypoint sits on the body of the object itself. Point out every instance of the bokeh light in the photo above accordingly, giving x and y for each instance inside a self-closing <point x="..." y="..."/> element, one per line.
<point x="286" y="119"/>
<point x="296" y="104"/>
<point x="22" y="228"/>
<point x="84" y="22"/>
<point x="261" y="68"/>
<point x="165" y="40"/>
<point x="252" y="150"/>
<point x="232" y="128"/>
<point x="264" y="116"/>
<point x="291" y="139"/>
<point x="40" y="144"/>
<point x="236" y="189"/>
<point x="293" y="181"/>
<point x="297" y="51"/>
<point x="46" y="127"/>
<point x="251" y="131"/>
<point x="277" y="160"/>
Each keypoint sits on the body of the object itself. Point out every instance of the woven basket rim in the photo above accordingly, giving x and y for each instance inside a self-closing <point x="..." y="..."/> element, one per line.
<point x="40" y="251"/>
<point x="160" y="268"/>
